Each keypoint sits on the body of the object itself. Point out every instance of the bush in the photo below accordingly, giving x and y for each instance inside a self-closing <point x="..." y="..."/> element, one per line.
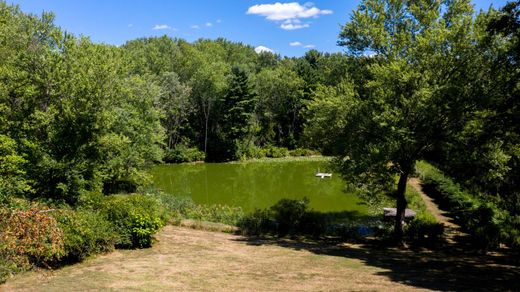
<point x="85" y="233"/>
<point x="287" y="217"/>
<point x="276" y="152"/>
<point x="257" y="223"/>
<point x="136" y="218"/>
<point x="424" y="232"/>
<point x="182" y="153"/>
<point x="303" y="152"/>
<point x="28" y="237"/>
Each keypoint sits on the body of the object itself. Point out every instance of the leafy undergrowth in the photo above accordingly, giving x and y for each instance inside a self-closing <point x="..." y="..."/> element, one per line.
<point x="483" y="220"/>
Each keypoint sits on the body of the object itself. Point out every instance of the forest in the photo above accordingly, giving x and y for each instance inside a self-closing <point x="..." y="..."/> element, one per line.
<point x="80" y="122"/>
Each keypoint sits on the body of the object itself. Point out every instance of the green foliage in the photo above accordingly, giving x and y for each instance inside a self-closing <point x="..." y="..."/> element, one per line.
<point x="12" y="175"/>
<point x="183" y="207"/>
<point x="303" y="152"/>
<point x="72" y="116"/>
<point x="182" y="153"/>
<point x="327" y="114"/>
<point x="215" y="213"/>
<point x="259" y="222"/>
<point x="293" y="217"/>
<point x="85" y="233"/>
<point x="489" y="225"/>
<point x="275" y="152"/>
<point x="136" y="218"/>
<point x="279" y="94"/>
<point x="235" y="125"/>
<point x="416" y="92"/>
<point x="288" y="215"/>
<point x="424" y="232"/>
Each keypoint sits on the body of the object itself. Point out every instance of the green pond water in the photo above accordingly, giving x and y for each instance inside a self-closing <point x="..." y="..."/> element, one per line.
<point x="260" y="184"/>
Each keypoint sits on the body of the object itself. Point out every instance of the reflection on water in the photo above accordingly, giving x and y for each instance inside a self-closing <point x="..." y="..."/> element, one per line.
<point x="256" y="184"/>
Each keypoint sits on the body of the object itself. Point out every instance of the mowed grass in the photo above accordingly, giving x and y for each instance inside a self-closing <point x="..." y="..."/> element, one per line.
<point x="185" y="259"/>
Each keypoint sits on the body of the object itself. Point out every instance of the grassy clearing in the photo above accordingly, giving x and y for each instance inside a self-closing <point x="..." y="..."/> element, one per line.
<point x="194" y="260"/>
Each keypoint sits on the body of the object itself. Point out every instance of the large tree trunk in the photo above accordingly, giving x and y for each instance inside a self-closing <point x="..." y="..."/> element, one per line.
<point x="401" y="206"/>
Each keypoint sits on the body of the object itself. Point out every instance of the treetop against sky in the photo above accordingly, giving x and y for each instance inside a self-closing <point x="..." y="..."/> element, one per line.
<point x="286" y="28"/>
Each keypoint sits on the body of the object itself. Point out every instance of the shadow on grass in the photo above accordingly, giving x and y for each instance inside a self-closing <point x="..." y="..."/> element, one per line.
<point x="445" y="269"/>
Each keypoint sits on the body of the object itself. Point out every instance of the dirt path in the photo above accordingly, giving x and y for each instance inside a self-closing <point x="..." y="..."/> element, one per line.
<point x="431" y="206"/>
<point x="453" y="234"/>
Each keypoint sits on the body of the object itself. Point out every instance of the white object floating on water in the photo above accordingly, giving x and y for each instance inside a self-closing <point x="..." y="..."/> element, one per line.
<point x="323" y="174"/>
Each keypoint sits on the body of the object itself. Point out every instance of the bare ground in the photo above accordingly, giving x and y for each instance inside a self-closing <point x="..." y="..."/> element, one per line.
<point x="432" y="208"/>
<point x="185" y="259"/>
<point x="453" y="232"/>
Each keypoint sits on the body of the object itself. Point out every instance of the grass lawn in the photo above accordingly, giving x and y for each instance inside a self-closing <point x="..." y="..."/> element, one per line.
<point x="185" y="259"/>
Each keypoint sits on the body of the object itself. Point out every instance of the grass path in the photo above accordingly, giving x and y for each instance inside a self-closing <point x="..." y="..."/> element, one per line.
<point x="453" y="234"/>
<point x="431" y="206"/>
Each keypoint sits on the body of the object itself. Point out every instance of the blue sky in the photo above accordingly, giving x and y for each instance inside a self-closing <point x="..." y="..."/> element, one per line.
<point x="287" y="29"/>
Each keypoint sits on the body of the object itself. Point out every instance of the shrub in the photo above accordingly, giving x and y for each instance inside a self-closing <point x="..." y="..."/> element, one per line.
<point x="85" y="233"/>
<point x="28" y="237"/>
<point x="257" y="223"/>
<point x="182" y="153"/>
<point x="288" y="215"/>
<point x="316" y="224"/>
<point x="136" y="218"/>
<point x="276" y="152"/>
<point x="424" y="232"/>
<point x="285" y="217"/>
<point x="303" y="152"/>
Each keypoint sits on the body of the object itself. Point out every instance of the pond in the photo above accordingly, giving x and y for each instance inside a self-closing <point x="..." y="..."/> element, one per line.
<point x="257" y="184"/>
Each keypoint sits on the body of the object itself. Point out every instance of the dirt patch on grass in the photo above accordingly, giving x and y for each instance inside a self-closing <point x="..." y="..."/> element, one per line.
<point x="184" y="259"/>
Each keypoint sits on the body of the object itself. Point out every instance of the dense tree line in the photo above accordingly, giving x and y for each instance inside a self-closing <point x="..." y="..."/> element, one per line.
<point x="418" y="80"/>
<point x="79" y="118"/>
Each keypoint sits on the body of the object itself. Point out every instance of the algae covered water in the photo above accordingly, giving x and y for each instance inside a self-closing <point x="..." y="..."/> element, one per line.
<point x="258" y="184"/>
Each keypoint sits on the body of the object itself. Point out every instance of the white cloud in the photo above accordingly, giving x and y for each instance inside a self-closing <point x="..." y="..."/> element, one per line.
<point x="292" y="26"/>
<point x="130" y="25"/>
<point x="261" y="49"/>
<point x="295" y="44"/>
<point x="208" y="24"/>
<point x="282" y="11"/>
<point x="310" y="46"/>
<point x="195" y="26"/>
<point x="290" y="14"/>
<point x="218" y="21"/>
<point x="161" y="26"/>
